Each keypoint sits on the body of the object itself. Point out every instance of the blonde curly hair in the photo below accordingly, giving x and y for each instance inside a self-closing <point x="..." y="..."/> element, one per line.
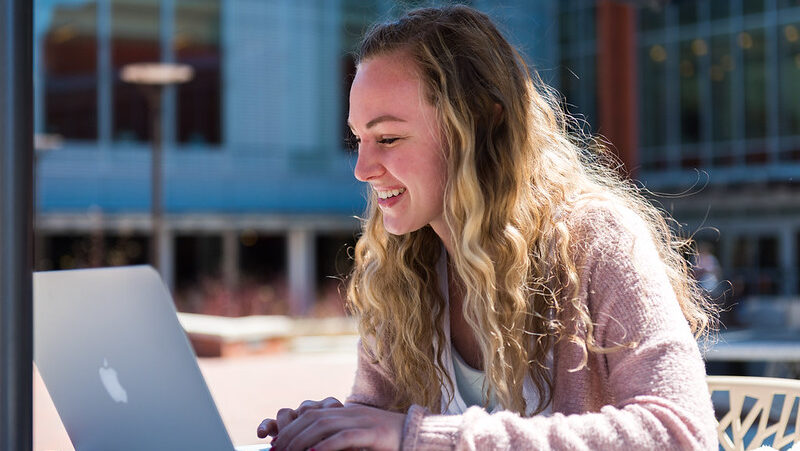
<point x="511" y="171"/>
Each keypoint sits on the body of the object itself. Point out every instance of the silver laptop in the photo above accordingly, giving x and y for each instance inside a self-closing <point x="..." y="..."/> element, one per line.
<point x="118" y="365"/>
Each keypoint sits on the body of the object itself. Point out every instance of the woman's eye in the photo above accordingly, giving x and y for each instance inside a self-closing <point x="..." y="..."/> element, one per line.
<point x="387" y="140"/>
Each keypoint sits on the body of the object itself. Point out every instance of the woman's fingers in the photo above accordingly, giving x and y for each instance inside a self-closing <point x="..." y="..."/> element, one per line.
<point x="295" y="429"/>
<point x="284" y="417"/>
<point x="267" y="427"/>
<point x="314" y="432"/>
<point x="355" y="426"/>
<point x="326" y="403"/>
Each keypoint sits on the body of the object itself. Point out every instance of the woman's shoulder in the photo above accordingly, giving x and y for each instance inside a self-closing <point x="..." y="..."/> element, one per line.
<point x="594" y="217"/>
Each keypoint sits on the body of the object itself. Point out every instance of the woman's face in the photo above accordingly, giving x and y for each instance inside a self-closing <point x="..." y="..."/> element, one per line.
<point x="400" y="150"/>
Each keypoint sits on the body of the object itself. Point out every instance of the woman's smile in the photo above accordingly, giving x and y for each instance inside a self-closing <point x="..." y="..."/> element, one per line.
<point x="390" y="198"/>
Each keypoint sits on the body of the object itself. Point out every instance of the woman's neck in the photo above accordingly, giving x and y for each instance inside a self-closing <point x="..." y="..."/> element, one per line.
<point x="439" y="226"/>
<point x="461" y="333"/>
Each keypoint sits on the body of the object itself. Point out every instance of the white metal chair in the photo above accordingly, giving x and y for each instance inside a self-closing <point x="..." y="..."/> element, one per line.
<point x="774" y="416"/>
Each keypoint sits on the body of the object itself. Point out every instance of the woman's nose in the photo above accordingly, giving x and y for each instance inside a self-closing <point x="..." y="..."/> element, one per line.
<point x="368" y="165"/>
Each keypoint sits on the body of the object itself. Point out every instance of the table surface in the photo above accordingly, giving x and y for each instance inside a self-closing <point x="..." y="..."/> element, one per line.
<point x="763" y="345"/>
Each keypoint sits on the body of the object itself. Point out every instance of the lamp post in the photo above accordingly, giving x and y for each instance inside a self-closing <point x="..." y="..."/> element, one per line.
<point x="152" y="78"/>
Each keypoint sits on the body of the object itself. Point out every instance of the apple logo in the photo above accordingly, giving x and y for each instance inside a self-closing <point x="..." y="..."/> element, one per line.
<point x="111" y="383"/>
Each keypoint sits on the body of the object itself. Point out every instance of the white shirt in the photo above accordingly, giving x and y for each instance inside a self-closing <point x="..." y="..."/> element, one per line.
<point x="458" y="405"/>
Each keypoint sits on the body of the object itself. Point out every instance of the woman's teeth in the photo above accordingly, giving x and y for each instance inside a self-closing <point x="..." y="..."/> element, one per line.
<point x="392" y="193"/>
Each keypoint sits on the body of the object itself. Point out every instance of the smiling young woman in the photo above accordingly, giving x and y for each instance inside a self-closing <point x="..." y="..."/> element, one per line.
<point x="512" y="291"/>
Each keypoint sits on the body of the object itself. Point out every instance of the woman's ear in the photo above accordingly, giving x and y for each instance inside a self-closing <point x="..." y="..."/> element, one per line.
<point x="498" y="113"/>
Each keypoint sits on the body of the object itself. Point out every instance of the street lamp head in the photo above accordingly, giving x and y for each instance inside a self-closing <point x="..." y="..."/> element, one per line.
<point x="156" y="73"/>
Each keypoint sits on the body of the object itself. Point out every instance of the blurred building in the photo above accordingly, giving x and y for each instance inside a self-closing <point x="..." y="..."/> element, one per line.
<point x="701" y="99"/>
<point x="716" y="89"/>
<point x="258" y="183"/>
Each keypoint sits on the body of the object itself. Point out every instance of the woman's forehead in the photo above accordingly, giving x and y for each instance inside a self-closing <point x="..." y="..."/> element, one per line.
<point x="386" y="84"/>
<point x="394" y="70"/>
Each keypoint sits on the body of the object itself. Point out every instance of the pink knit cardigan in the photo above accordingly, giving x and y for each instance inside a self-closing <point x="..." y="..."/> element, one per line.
<point x="651" y="396"/>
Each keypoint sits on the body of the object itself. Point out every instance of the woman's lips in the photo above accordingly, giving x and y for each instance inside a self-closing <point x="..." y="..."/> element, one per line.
<point x="391" y="201"/>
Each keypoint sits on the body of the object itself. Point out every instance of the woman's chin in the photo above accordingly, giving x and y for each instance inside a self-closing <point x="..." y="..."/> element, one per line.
<point x="396" y="228"/>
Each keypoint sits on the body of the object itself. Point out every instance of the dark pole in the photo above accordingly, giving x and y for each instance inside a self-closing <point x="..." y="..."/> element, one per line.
<point x="16" y="225"/>
<point x="153" y="93"/>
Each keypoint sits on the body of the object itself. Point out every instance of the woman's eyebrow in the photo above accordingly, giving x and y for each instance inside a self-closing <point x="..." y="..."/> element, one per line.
<point x="379" y="119"/>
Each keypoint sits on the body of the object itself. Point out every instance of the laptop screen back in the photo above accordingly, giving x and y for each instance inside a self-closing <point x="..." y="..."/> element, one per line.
<point x="117" y="364"/>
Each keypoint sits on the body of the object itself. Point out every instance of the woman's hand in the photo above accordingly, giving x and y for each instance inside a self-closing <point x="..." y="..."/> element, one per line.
<point x="336" y="428"/>
<point x="285" y="416"/>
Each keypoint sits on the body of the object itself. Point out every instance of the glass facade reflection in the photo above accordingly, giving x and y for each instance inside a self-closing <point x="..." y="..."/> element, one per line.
<point x="734" y="67"/>
<point x="789" y="76"/>
<point x="135" y="38"/>
<point x="691" y="121"/>
<point x="721" y="66"/>
<point x="196" y="42"/>
<point x="578" y="59"/>
<point x="752" y="44"/>
<point x="68" y="65"/>
<point x="82" y="46"/>
<point x="653" y="63"/>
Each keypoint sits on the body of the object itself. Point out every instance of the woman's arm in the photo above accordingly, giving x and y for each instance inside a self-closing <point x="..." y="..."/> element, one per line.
<point x="653" y="395"/>
<point x="372" y="386"/>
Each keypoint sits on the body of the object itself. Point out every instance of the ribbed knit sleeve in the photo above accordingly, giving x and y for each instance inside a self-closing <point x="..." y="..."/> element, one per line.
<point x="650" y="394"/>
<point x="371" y="386"/>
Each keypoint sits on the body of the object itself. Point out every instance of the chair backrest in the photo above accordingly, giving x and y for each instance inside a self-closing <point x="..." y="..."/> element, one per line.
<point x="773" y="411"/>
